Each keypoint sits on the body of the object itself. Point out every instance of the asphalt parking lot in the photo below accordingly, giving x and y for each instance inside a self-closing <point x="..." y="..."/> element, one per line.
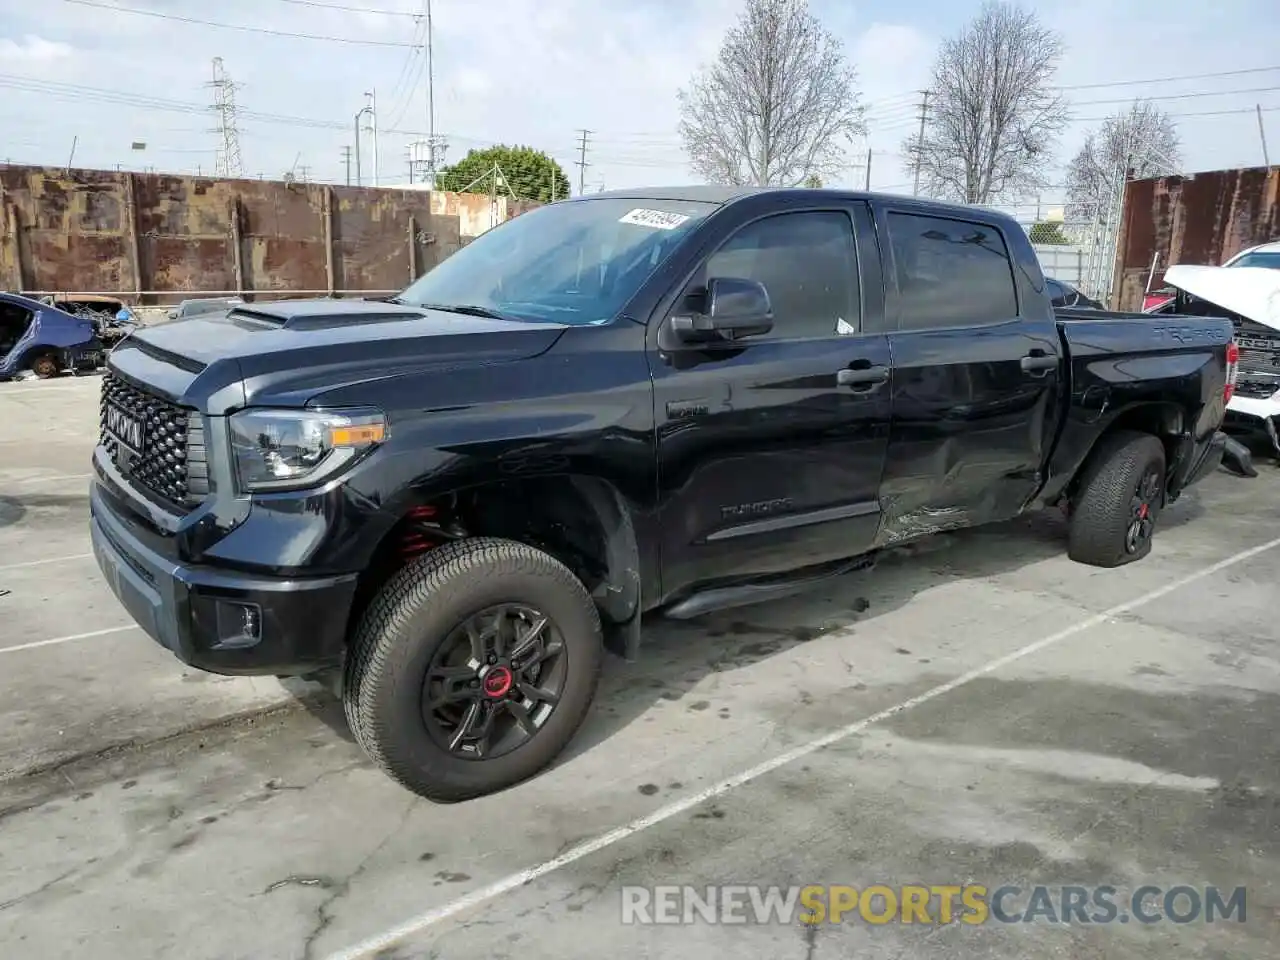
<point x="978" y="710"/>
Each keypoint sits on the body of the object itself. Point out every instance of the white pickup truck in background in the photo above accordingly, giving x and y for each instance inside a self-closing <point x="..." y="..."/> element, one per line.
<point x="1249" y="294"/>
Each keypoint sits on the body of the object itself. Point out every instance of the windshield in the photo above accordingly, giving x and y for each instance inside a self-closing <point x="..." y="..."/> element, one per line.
<point x="1271" y="260"/>
<point x="575" y="262"/>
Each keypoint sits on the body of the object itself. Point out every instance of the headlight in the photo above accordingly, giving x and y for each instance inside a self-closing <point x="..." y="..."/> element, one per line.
<point x="291" y="449"/>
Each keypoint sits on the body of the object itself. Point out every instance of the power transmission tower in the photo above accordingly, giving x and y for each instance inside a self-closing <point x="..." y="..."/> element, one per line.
<point x="919" y="158"/>
<point x="582" y="163"/>
<point x="229" y="162"/>
<point x="346" y="162"/>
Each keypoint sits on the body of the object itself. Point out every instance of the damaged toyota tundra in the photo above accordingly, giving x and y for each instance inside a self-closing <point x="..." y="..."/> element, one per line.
<point x="449" y="503"/>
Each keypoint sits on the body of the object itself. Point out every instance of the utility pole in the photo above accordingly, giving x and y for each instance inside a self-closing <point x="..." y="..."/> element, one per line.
<point x="359" y="113"/>
<point x="868" y="180"/>
<point x="431" y="100"/>
<point x="346" y="162"/>
<point x="924" y="112"/>
<point x="372" y="107"/>
<point x="582" y="163"/>
<point x="1262" y="132"/>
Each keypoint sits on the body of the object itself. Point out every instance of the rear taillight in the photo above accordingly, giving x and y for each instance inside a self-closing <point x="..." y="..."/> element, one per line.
<point x="1233" y="366"/>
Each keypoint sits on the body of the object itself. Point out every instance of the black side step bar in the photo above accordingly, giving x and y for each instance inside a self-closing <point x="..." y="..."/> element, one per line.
<point x="743" y="594"/>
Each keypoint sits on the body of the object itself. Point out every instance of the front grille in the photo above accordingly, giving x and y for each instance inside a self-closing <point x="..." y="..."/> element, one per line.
<point x="1258" y="375"/>
<point x="171" y="462"/>
<point x="1256" y="389"/>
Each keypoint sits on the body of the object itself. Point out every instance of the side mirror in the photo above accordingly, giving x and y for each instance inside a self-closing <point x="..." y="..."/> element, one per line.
<point x="734" y="308"/>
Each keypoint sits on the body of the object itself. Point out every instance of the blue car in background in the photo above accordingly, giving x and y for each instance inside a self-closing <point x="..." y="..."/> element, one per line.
<point x="45" y="340"/>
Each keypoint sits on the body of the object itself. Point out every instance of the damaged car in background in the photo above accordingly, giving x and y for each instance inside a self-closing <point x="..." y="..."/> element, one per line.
<point x="38" y="339"/>
<point x="668" y="401"/>
<point x="1248" y="296"/>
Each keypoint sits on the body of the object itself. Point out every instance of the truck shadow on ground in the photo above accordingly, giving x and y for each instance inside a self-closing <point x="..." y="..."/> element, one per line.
<point x="676" y="656"/>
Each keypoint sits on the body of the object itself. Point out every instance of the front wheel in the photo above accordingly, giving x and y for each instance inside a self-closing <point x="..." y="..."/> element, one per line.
<point x="1114" y="513"/>
<point x="473" y="668"/>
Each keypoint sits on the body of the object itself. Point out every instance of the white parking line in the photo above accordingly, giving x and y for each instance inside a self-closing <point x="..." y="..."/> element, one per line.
<point x="36" y="644"/>
<point x="41" y="563"/>
<point x="387" y="940"/>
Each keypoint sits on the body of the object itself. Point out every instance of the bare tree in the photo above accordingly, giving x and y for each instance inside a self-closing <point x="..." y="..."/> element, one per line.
<point x="1143" y="139"/>
<point x="778" y="103"/>
<point x="993" y="115"/>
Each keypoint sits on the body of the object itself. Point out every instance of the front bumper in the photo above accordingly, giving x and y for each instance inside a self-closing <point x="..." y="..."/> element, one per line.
<point x="218" y="620"/>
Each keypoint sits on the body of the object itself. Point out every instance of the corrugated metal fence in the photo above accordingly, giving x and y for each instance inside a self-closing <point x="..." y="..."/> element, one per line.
<point x="1204" y="219"/>
<point x="156" y="238"/>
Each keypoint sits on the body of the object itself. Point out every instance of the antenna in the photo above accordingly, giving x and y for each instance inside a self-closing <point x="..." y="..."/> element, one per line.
<point x="229" y="163"/>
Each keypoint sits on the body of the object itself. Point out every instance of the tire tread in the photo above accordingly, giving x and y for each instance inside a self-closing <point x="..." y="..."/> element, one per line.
<point x="1100" y="511"/>
<point x="371" y="668"/>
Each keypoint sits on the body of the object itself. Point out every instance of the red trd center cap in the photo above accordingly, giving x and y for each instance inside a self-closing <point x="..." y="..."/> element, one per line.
<point x="497" y="681"/>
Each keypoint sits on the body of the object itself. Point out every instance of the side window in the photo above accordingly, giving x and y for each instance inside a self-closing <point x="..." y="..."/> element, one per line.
<point x="951" y="272"/>
<point x="807" y="262"/>
<point x="14" y="321"/>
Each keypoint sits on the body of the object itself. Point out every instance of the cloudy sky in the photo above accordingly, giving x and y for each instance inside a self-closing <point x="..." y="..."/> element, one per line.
<point x="537" y="72"/>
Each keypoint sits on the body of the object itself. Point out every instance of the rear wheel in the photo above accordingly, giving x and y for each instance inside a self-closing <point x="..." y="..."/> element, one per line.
<point x="45" y="365"/>
<point x="1114" y="512"/>
<point x="473" y="668"/>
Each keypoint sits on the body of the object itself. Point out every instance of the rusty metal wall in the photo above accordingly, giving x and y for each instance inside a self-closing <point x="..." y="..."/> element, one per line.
<point x="1204" y="219"/>
<point x="156" y="238"/>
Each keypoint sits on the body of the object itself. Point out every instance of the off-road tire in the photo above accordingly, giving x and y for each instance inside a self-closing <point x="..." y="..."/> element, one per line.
<point x="414" y="613"/>
<point x="1100" y="507"/>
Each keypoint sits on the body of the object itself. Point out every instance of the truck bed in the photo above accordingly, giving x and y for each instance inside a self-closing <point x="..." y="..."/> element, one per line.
<point x="1117" y="363"/>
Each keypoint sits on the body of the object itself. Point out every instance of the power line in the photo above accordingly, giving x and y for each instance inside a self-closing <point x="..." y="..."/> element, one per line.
<point x="1177" y="96"/>
<point x="235" y="26"/>
<point x="409" y="68"/>
<point x="347" y="9"/>
<point x="1188" y="76"/>
<point x="1178" y="116"/>
<point x="1119" y="83"/>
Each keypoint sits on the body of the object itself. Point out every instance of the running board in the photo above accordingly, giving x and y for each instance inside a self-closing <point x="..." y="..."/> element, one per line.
<point x="744" y="594"/>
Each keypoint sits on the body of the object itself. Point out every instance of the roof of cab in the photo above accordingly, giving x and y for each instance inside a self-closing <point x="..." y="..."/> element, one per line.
<point x="722" y="194"/>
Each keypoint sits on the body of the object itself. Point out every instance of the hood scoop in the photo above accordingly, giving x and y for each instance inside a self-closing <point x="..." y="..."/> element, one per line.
<point x="320" y="314"/>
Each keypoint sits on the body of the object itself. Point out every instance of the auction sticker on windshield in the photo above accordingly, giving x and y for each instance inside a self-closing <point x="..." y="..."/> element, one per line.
<point x="657" y="219"/>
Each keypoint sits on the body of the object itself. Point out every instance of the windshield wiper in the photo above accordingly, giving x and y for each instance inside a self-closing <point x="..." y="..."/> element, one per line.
<point x="469" y="309"/>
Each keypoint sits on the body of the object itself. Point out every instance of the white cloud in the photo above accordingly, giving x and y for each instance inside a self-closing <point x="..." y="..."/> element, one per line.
<point x="32" y="50"/>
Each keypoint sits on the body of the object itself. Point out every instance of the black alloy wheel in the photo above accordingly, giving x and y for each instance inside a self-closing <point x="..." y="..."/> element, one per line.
<point x="494" y="682"/>
<point x="1143" y="507"/>
<point x="472" y="668"/>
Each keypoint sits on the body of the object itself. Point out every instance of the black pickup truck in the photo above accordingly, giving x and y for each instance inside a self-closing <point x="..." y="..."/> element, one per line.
<point x="673" y="400"/>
